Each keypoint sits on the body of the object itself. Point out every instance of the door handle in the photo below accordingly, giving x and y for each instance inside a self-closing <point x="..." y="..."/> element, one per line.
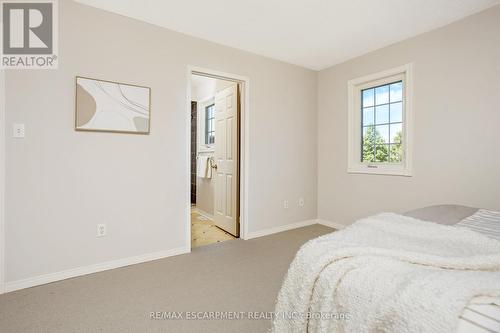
<point x="213" y="164"/>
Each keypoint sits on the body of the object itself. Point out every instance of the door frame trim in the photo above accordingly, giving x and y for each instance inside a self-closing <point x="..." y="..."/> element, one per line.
<point x="244" y="148"/>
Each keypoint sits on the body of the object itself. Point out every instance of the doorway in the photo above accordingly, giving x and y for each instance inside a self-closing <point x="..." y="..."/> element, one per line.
<point x="215" y="158"/>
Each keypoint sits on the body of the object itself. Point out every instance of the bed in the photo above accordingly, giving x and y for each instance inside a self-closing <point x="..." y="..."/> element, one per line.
<point x="442" y="214"/>
<point x="476" y="317"/>
<point x="481" y="314"/>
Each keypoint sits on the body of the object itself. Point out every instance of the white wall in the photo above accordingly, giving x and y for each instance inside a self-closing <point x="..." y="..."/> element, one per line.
<point x="456" y="124"/>
<point x="2" y="179"/>
<point x="205" y="195"/>
<point x="61" y="183"/>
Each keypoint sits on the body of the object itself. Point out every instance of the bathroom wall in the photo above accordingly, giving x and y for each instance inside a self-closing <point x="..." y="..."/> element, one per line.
<point x="205" y="187"/>
<point x="204" y="90"/>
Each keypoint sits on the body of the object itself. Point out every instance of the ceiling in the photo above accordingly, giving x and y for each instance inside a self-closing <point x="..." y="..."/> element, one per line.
<point x="315" y="34"/>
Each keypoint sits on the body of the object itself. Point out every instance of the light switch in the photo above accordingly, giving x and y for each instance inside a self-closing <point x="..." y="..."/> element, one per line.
<point x="18" y="130"/>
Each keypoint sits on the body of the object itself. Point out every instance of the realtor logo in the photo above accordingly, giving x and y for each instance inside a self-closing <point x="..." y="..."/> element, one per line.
<point x="29" y="34"/>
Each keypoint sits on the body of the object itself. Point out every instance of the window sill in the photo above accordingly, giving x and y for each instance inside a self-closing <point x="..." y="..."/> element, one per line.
<point x="381" y="170"/>
<point x="206" y="148"/>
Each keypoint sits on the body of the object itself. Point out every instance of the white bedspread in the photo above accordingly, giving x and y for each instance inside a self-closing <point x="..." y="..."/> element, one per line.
<point x="387" y="273"/>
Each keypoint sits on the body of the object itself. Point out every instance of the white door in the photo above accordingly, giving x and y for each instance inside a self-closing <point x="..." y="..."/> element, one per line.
<point x="226" y="212"/>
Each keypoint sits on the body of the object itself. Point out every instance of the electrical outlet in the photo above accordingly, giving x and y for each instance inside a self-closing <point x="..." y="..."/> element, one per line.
<point x="101" y="230"/>
<point x="18" y="130"/>
<point x="285" y="204"/>
<point x="301" y="202"/>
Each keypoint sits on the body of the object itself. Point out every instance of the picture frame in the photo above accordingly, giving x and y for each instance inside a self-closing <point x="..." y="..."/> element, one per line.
<point x="109" y="106"/>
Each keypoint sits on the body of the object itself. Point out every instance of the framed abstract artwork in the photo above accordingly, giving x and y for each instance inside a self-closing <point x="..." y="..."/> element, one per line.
<point x="106" y="106"/>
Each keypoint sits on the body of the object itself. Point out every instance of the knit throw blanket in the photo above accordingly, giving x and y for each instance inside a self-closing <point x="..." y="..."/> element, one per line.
<point x="387" y="273"/>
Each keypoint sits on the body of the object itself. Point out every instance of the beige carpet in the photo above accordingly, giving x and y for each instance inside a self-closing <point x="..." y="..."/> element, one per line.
<point x="235" y="275"/>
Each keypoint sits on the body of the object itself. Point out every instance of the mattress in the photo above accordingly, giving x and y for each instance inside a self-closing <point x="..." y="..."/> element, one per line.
<point x="482" y="314"/>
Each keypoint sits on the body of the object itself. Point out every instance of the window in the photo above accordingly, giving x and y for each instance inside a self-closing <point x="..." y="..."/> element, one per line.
<point x="382" y="120"/>
<point x="379" y="123"/>
<point x="210" y="124"/>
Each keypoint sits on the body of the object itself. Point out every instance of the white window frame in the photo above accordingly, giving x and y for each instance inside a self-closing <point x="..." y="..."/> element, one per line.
<point x="207" y="121"/>
<point x="202" y="146"/>
<point x="355" y="86"/>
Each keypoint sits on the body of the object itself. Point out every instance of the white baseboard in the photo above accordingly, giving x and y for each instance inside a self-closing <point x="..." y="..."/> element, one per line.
<point x="79" y="271"/>
<point x="330" y="224"/>
<point x="70" y="273"/>
<point x="203" y="213"/>
<point x="275" y="230"/>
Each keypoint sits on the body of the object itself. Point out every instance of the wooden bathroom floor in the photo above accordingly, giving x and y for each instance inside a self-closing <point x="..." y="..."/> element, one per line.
<point x="204" y="231"/>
